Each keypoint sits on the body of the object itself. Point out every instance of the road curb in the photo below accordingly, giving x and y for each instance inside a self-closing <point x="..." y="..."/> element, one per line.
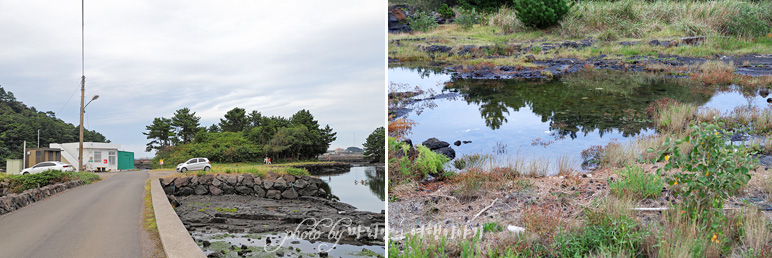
<point x="175" y="239"/>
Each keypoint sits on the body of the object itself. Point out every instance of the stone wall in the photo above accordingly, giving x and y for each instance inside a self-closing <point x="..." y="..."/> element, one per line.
<point x="272" y="186"/>
<point x="12" y="202"/>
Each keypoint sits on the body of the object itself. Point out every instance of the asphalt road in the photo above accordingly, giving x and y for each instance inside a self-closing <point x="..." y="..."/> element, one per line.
<point x="97" y="220"/>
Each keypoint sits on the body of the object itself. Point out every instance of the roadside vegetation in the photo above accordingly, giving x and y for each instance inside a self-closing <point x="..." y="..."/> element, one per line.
<point x="20" y="183"/>
<point x="149" y="222"/>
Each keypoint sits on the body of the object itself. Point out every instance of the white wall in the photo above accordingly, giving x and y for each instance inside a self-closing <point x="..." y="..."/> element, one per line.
<point x="90" y="150"/>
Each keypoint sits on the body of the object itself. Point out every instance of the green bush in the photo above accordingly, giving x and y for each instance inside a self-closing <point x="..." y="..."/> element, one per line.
<point x="541" y="13"/>
<point x="636" y="184"/>
<point x="710" y="172"/>
<point x="748" y="21"/>
<point x="446" y="12"/>
<point x="20" y="183"/>
<point x="467" y="18"/>
<point x="422" y="22"/>
<point x="425" y="162"/>
<point x="429" y="162"/>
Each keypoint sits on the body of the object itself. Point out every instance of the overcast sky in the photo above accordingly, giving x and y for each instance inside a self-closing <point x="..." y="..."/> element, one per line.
<point x="148" y="58"/>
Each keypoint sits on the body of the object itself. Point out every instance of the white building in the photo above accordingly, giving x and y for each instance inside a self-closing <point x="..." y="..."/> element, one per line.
<point x="97" y="156"/>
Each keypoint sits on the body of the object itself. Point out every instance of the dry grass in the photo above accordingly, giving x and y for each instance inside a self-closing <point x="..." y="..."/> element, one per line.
<point x="757" y="235"/>
<point x="715" y="73"/>
<point x="506" y="20"/>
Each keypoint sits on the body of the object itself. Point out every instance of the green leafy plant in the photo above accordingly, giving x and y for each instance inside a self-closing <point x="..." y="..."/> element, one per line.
<point x="636" y="184"/>
<point x="416" y="167"/>
<point x="711" y="171"/>
<point x="467" y="18"/>
<point x="492" y="227"/>
<point x="422" y="22"/>
<point x="541" y="13"/>
<point x="446" y="12"/>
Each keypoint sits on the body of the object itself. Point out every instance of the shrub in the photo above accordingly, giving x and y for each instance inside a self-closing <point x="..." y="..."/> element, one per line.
<point x="636" y="184"/>
<point x="711" y="171"/>
<point x="422" y="22"/>
<point x="446" y="12"/>
<point x="541" y="13"/>
<point x="467" y="18"/>
<point x="423" y="162"/>
<point x="20" y="183"/>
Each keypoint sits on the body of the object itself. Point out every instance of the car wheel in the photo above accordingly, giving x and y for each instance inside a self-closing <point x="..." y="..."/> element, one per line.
<point x="184" y="170"/>
<point x="25" y="173"/>
<point x="206" y="169"/>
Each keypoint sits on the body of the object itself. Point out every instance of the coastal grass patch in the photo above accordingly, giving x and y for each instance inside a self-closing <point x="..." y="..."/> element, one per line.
<point x="636" y="184"/>
<point x="731" y="27"/>
<point x="259" y="170"/>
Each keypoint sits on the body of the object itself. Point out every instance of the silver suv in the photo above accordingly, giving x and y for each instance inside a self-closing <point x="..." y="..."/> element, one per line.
<point x="194" y="164"/>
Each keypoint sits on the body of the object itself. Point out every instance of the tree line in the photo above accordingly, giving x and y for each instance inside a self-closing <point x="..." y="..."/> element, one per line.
<point x="19" y="123"/>
<point x="238" y="137"/>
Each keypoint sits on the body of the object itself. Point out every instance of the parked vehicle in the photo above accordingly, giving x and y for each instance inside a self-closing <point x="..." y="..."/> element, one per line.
<point x="48" y="165"/>
<point x="194" y="164"/>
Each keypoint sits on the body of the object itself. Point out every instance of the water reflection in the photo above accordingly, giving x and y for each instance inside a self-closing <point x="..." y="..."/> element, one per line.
<point x="362" y="187"/>
<point x="579" y="103"/>
<point x="549" y="118"/>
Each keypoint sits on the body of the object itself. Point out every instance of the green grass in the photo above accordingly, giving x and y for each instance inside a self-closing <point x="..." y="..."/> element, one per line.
<point x="610" y="22"/>
<point x="636" y="184"/>
<point x="259" y="170"/>
<point x="148" y="214"/>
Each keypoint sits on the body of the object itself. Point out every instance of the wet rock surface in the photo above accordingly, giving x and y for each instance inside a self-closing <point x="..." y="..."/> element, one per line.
<point x="250" y="214"/>
<point x="754" y="65"/>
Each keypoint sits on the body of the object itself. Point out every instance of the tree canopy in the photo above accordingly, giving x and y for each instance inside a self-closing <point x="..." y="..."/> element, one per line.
<point x="19" y="123"/>
<point x="374" y="145"/>
<point x="240" y="137"/>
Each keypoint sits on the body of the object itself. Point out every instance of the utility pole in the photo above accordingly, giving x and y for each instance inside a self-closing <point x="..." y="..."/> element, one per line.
<point x="38" y="138"/>
<point x="81" y="168"/>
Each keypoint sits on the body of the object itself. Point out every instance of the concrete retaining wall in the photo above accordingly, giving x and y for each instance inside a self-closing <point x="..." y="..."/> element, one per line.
<point x="272" y="186"/>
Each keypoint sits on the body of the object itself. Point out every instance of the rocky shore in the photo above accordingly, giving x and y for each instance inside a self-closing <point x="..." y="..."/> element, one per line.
<point x="250" y="214"/>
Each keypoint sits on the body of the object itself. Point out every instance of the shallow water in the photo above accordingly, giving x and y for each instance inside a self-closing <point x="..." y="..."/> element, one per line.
<point x="546" y="119"/>
<point x="362" y="187"/>
<point x="291" y="247"/>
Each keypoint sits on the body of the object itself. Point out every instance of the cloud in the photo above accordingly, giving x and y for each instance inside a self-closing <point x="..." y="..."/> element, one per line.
<point x="147" y="59"/>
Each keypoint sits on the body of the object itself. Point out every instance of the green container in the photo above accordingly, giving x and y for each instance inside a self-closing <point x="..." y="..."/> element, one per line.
<point x="125" y="160"/>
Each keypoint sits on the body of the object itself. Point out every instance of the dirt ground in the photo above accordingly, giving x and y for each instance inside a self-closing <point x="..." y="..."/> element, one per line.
<point x="438" y="204"/>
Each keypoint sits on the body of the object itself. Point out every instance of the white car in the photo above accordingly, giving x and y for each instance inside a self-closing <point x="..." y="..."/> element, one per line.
<point x="48" y="165"/>
<point x="194" y="164"/>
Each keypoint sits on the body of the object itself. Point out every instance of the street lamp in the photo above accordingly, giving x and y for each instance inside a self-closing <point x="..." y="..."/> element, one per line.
<point x="81" y="167"/>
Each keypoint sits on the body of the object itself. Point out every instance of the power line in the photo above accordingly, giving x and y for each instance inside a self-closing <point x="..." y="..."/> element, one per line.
<point x="68" y="100"/>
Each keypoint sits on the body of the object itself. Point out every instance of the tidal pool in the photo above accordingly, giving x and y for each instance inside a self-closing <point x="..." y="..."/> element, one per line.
<point x="257" y="245"/>
<point x="546" y="119"/>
